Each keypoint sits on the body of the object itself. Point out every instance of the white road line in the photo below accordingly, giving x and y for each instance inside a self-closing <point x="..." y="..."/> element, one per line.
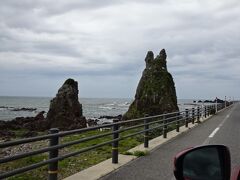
<point x="214" y="132"/>
<point x="224" y="120"/>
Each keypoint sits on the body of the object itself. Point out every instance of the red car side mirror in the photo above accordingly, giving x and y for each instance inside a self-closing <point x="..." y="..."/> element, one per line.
<point x="236" y="173"/>
<point x="211" y="162"/>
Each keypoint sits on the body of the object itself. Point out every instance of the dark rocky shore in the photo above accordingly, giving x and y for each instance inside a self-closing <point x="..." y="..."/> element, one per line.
<point x="65" y="113"/>
<point x="19" y="109"/>
<point x="34" y="125"/>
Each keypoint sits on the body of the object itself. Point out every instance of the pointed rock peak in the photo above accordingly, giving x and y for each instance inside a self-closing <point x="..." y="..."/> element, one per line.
<point x="70" y="85"/>
<point x="71" y="82"/>
<point x="149" y="58"/>
<point x="161" y="60"/>
<point x="150" y="55"/>
<point x="156" y="92"/>
<point x="163" y="54"/>
<point x="65" y="111"/>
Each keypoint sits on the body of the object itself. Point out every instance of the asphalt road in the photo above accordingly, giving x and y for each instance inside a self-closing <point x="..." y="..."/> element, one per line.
<point x="159" y="163"/>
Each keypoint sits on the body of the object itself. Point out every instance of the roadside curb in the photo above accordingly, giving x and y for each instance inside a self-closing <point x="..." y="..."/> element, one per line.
<point x="99" y="170"/>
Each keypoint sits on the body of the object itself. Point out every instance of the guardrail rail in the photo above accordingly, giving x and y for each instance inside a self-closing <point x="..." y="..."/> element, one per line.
<point x="162" y="122"/>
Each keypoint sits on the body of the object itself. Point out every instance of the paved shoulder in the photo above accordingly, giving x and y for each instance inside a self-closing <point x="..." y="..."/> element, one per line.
<point x="159" y="163"/>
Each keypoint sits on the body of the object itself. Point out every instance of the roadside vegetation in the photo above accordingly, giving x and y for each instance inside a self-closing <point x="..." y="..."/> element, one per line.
<point x="77" y="163"/>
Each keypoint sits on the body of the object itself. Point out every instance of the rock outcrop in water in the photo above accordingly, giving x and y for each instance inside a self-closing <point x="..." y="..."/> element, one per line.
<point x="156" y="92"/>
<point x="65" y="111"/>
<point x="28" y="124"/>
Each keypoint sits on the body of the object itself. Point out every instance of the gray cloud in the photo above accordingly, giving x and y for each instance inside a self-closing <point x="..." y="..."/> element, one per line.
<point x="97" y="41"/>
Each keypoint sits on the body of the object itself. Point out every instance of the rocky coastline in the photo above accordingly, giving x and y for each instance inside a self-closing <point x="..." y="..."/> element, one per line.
<point x="35" y="125"/>
<point x="65" y="113"/>
<point x="18" y="109"/>
<point x="155" y="95"/>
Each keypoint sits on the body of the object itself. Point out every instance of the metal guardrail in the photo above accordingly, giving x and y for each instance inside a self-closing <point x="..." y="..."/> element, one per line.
<point x="160" y="121"/>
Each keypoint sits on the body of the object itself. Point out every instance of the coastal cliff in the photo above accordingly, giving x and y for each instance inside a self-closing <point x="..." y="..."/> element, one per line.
<point x="156" y="92"/>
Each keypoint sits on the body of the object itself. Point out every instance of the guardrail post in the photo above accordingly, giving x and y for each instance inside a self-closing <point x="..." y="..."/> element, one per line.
<point x="178" y="122"/>
<point x="186" y="118"/>
<point x="205" y="111"/>
<point x="198" y="114"/>
<point x="115" y="143"/>
<point x="146" y="127"/>
<point x="208" y="111"/>
<point x="53" y="167"/>
<point x="193" y="115"/>
<point x="164" y="127"/>
<point x="225" y="103"/>
<point x="216" y="107"/>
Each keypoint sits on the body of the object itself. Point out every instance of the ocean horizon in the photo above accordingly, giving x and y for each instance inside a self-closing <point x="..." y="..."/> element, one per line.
<point x="92" y="107"/>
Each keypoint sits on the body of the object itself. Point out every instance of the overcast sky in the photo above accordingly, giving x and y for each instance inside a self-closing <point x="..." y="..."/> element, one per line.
<point x="102" y="44"/>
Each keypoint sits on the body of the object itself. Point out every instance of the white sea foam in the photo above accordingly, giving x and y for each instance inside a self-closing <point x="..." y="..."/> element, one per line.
<point x="104" y="120"/>
<point x="106" y="107"/>
<point x="91" y="107"/>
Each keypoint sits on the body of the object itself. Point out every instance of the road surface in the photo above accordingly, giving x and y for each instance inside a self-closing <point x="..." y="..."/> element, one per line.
<point x="223" y="128"/>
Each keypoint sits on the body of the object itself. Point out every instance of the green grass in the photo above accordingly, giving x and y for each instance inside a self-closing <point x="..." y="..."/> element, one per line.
<point x="140" y="153"/>
<point x="74" y="164"/>
<point x="82" y="161"/>
<point x="136" y="153"/>
<point x="40" y="173"/>
<point x="127" y="153"/>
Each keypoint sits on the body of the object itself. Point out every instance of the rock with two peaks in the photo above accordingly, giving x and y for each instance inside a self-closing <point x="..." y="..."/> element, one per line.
<point x="65" y="111"/>
<point x="156" y="92"/>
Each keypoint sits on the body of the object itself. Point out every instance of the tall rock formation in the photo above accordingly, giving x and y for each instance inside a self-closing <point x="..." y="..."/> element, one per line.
<point x="156" y="92"/>
<point x="65" y="111"/>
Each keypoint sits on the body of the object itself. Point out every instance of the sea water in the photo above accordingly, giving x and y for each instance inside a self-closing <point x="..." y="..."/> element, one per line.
<point x="92" y="107"/>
